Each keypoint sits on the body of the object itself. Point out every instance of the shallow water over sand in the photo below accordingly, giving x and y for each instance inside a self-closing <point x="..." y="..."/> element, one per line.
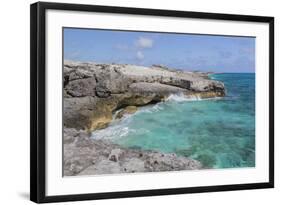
<point x="218" y="132"/>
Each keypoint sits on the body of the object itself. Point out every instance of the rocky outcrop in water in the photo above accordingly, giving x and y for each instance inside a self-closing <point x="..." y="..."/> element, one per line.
<point x="93" y="92"/>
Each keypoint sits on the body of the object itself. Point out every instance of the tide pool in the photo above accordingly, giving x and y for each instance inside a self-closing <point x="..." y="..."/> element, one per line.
<point x="219" y="132"/>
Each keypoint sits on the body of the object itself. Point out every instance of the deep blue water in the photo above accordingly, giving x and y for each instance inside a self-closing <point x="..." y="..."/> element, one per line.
<point x="218" y="132"/>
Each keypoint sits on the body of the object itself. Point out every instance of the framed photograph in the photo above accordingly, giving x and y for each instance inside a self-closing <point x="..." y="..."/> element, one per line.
<point x="129" y="102"/>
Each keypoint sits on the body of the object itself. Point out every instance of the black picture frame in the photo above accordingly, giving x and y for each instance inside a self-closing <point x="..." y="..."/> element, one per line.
<point x="38" y="101"/>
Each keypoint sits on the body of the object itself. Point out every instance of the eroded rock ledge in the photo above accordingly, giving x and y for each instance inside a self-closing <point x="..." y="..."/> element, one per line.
<point x="93" y="92"/>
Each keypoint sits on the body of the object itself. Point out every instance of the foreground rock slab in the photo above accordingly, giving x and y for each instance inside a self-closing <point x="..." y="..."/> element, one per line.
<point x="86" y="156"/>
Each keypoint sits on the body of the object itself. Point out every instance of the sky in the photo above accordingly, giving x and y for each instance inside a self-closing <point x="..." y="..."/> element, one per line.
<point x="192" y="52"/>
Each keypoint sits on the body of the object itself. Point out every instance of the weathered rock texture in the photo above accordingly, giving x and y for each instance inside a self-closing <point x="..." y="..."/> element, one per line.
<point x="126" y="110"/>
<point x="86" y="156"/>
<point x="93" y="92"/>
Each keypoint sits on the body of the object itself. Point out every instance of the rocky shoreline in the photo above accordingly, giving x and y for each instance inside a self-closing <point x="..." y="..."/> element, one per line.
<point x="85" y="156"/>
<point x="94" y="93"/>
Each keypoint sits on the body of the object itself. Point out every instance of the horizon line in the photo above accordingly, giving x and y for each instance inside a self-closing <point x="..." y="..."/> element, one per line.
<point x="172" y="68"/>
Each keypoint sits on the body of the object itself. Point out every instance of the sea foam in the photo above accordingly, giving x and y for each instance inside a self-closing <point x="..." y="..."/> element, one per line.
<point x="182" y="98"/>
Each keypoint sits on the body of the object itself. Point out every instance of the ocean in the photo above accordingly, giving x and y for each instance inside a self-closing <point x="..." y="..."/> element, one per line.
<point x="218" y="132"/>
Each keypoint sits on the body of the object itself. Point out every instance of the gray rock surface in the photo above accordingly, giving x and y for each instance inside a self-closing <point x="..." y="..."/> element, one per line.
<point x="81" y="87"/>
<point x="152" y="88"/>
<point x="86" y="156"/>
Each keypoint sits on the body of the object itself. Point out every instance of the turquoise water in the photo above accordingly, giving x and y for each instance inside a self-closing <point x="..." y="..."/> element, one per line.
<point x="218" y="132"/>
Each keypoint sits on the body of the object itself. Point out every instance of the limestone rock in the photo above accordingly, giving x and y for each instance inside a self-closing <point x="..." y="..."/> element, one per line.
<point x="86" y="156"/>
<point x="134" y="165"/>
<point x="126" y="110"/>
<point x="114" y="155"/>
<point x="102" y="167"/>
<point x="155" y="88"/>
<point x="81" y="87"/>
<point x="78" y="111"/>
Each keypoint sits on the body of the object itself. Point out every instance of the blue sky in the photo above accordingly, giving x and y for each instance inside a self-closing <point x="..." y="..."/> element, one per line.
<point x="183" y="51"/>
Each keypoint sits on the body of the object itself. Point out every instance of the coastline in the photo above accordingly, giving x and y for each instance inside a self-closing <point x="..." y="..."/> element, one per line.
<point x="94" y="93"/>
<point x="86" y="156"/>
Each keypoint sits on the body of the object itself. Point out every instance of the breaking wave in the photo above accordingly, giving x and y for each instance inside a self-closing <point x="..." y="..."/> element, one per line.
<point x="182" y="98"/>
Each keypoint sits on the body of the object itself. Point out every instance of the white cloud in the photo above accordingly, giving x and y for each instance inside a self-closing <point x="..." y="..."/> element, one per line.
<point x="140" y="55"/>
<point x="143" y="42"/>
